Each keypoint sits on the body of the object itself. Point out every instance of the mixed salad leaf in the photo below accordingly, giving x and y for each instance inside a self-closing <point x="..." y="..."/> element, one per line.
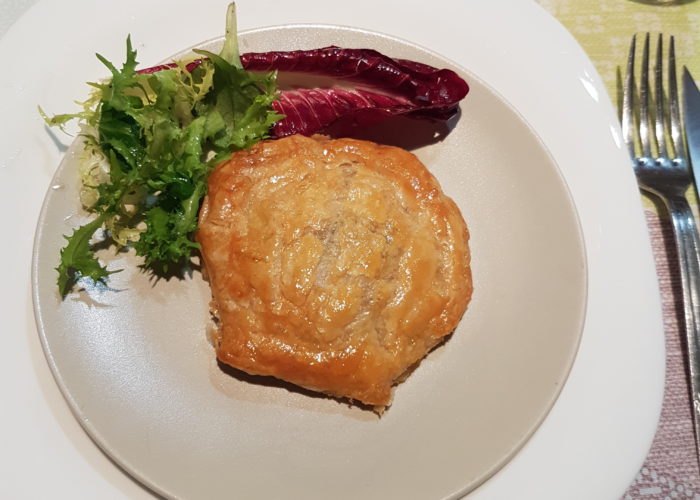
<point x="382" y="87"/>
<point x="152" y="136"/>
<point x="151" y="142"/>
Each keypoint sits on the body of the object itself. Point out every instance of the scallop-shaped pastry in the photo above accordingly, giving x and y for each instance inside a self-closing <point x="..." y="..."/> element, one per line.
<point x="334" y="264"/>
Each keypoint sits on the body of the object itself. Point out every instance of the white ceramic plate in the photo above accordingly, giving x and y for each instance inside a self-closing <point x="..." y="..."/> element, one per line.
<point x="596" y="436"/>
<point x="188" y="429"/>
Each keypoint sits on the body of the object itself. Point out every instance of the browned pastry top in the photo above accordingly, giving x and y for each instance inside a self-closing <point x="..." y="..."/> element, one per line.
<point x="334" y="264"/>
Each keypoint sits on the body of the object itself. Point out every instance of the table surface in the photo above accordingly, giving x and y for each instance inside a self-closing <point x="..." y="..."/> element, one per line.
<point x="603" y="28"/>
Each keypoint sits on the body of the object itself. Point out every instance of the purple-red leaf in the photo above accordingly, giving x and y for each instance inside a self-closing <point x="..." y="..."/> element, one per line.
<point x="384" y="87"/>
<point x="388" y="87"/>
<point x="308" y="111"/>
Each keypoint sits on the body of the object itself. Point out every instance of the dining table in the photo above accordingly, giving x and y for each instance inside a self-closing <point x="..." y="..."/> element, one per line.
<point x="604" y="29"/>
<point x="46" y="453"/>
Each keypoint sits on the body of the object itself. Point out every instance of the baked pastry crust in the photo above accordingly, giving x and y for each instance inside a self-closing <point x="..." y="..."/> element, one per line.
<point x="334" y="264"/>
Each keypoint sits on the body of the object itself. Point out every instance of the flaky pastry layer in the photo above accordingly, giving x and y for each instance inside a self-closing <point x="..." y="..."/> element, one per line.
<point x="335" y="265"/>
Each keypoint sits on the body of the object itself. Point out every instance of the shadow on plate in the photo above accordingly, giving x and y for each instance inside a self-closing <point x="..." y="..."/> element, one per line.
<point x="312" y="397"/>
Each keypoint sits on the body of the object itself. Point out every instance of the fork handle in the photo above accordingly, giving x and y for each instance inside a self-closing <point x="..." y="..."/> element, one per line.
<point x="688" y="247"/>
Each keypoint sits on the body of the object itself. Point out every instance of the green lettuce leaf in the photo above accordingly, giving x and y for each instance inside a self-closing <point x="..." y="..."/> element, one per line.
<point x="78" y="260"/>
<point x="161" y="135"/>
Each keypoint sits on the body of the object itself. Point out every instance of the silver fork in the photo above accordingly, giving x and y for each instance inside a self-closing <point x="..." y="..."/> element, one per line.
<point x="654" y="138"/>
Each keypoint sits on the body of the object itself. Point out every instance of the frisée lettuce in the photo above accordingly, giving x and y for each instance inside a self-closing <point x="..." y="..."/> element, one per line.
<point x="151" y="140"/>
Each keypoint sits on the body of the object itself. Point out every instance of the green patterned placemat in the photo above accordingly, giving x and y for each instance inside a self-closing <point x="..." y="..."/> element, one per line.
<point x="604" y="29"/>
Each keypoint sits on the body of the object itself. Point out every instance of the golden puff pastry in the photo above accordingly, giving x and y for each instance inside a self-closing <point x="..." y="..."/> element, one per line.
<point x="335" y="265"/>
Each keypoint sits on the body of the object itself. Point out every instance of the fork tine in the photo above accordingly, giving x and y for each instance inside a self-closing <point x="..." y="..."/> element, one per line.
<point x="644" y="134"/>
<point x="659" y="125"/>
<point x="628" y="100"/>
<point x="676" y="133"/>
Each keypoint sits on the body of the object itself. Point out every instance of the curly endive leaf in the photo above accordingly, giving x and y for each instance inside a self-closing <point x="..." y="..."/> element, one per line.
<point x="78" y="260"/>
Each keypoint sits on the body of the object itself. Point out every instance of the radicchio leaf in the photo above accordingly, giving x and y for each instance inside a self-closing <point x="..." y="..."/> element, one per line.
<point x="387" y="87"/>
<point x="384" y="87"/>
